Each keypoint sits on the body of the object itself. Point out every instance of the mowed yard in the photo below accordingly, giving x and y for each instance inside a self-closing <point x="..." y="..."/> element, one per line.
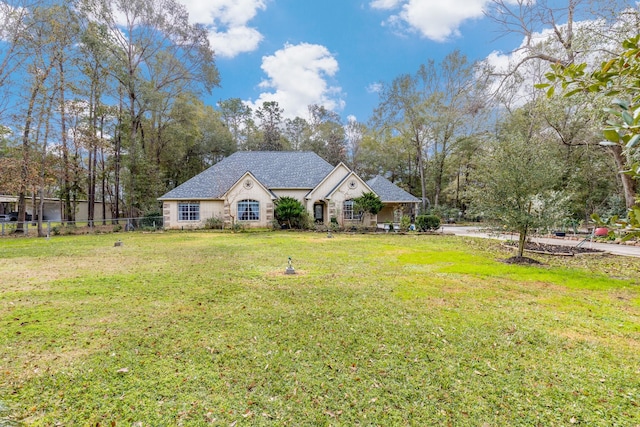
<point x="203" y="328"/>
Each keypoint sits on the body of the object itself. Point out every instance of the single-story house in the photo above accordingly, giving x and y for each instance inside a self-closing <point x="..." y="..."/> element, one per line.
<point x="244" y="187"/>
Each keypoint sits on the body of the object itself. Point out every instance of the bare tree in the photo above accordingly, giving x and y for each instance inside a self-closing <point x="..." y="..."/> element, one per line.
<point x="354" y="133"/>
<point x="14" y="25"/>
<point x="49" y="34"/>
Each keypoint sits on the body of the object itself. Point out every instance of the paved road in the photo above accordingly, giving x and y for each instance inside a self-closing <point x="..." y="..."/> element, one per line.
<point x="612" y="248"/>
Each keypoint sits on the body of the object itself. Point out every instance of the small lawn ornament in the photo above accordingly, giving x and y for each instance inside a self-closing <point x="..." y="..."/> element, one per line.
<point x="290" y="269"/>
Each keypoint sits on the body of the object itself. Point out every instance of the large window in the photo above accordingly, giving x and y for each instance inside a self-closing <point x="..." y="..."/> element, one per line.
<point x="347" y="210"/>
<point x="189" y="211"/>
<point x="248" y="210"/>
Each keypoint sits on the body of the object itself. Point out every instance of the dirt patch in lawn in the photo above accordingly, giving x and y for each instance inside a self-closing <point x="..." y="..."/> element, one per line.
<point x="548" y="249"/>
<point x="284" y="274"/>
<point x="521" y="260"/>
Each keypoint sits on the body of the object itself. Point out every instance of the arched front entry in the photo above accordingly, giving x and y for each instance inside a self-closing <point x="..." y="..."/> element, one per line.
<point x="318" y="212"/>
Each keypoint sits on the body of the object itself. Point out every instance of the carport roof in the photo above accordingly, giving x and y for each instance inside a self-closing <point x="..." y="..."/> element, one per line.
<point x="390" y="192"/>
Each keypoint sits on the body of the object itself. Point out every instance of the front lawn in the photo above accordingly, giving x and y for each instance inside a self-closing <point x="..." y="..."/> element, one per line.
<point x="418" y="330"/>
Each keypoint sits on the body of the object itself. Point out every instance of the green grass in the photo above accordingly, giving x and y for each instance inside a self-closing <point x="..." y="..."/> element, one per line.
<point x="205" y="329"/>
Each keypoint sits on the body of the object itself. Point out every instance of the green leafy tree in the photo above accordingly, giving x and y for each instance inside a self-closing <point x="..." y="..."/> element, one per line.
<point x="326" y="135"/>
<point x="270" y="116"/>
<point x="589" y="171"/>
<point x="295" y="131"/>
<point x="194" y="139"/>
<point x="368" y="203"/>
<point x="237" y="117"/>
<point x="515" y="180"/>
<point x="382" y="153"/>
<point x="289" y="210"/>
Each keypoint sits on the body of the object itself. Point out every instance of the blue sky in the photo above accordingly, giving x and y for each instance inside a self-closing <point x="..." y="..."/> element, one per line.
<point x="334" y="52"/>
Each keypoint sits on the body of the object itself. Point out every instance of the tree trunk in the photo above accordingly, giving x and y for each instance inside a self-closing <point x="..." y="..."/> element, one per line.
<point x="420" y="162"/>
<point x="523" y="235"/>
<point x="66" y="190"/>
<point x="628" y="184"/>
<point x="43" y="167"/>
<point x="438" y="179"/>
<point x="118" y="161"/>
<point x="103" y="175"/>
<point x="24" y="169"/>
<point x="521" y="241"/>
<point x="90" y="172"/>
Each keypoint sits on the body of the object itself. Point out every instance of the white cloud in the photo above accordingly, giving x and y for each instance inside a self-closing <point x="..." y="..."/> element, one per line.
<point x="437" y="20"/>
<point x="500" y="62"/>
<point x="10" y="17"/>
<point x="374" y="88"/>
<point x="385" y="4"/>
<point x="299" y="76"/>
<point x="234" y="41"/>
<point x="227" y="20"/>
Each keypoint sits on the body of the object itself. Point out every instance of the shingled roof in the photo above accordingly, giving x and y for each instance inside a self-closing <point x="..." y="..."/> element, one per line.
<point x="389" y="192"/>
<point x="274" y="169"/>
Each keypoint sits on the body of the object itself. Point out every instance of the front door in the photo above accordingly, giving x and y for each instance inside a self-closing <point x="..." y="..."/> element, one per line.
<point x="318" y="212"/>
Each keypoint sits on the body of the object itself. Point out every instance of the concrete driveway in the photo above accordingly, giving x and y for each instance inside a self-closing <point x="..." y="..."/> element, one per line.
<point x="475" y="231"/>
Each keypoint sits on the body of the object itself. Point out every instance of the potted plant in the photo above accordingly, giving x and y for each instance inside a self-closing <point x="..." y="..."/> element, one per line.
<point x="601" y="231"/>
<point x="603" y="225"/>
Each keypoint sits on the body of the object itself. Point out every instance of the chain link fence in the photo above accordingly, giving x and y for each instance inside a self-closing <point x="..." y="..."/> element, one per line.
<point x="61" y="228"/>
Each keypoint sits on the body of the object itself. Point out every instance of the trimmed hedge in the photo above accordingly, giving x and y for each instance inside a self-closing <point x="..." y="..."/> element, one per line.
<point x="427" y="222"/>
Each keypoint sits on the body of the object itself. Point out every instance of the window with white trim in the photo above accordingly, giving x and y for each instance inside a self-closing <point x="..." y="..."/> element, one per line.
<point x="248" y="210"/>
<point x="189" y="211"/>
<point x="347" y="210"/>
